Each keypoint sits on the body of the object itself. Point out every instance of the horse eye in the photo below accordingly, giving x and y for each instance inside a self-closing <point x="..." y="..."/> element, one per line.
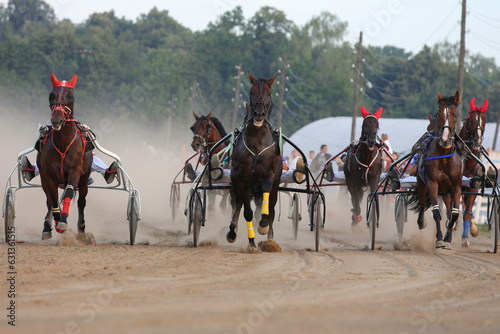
<point x="69" y="98"/>
<point x="52" y="97"/>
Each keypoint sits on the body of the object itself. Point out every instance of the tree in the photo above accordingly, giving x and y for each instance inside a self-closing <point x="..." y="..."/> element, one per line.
<point x="30" y="12"/>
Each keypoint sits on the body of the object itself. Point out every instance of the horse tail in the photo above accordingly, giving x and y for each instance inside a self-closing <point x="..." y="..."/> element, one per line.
<point x="413" y="202"/>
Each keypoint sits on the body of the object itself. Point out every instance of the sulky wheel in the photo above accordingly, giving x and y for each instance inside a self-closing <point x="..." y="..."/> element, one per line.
<point x="133" y="215"/>
<point x="494" y="225"/>
<point x="174" y="201"/>
<point x="372" y="220"/>
<point x="400" y="212"/>
<point x="318" y="219"/>
<point x="295" y="214"/>
<point x="197" y="217"/>
<point x="8" y="214"/>
<point x="190" y="211"/>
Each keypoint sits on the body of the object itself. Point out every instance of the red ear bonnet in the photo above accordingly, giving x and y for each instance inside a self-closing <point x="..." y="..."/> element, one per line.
<point x="364" y="112"/>
<point x="378" y="113"/>
<point x="485" y="106"/>
<point x="474" y="108"/>
<point x="64" y="83"/>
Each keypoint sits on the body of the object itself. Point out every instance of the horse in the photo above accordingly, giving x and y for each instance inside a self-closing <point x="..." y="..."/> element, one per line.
<point x="63" y="159"/>
<point x="472" y="133"/>
<point x="363" y="163"/>
<point x="439" y="170"/>
<point x="256" y="164"/>
<point x="207" y="131"/>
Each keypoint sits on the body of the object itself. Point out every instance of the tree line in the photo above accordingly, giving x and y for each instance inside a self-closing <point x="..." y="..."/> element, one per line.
<point x="154" y="68"/>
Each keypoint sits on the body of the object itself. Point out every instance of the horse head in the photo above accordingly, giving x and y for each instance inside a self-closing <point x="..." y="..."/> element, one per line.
<point x="370" y="127"/>
<point x="202" y="131"/>
<point x="475" y="123"/>
<point x="446" y="118"/>
<point x="261" y="103"/>
<point x="61" y="100"/>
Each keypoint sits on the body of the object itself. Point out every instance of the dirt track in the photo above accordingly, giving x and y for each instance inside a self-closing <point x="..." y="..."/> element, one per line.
<point x="162" y="285"/>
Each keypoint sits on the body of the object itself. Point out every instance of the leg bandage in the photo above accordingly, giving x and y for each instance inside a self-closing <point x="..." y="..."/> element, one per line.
<point x="465" y="234"/>
<point x="265" y="204"/>
<point x="251" y="233"/>
<point x="56" y="213"/>
<point x="68" y="195"/>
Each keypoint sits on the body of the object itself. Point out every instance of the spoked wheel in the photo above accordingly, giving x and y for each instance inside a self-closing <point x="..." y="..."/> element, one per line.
<point x="318" y="219"/>
<point x="372" y="220"/>
<point x="197" y="217"/>
<point x="133" y="215"/>
<point x="400" y="212"/>
<point x="190" y="211"/>
<point x="295" y="215"/>
<point x="8" y="214"/>
<point x="494" y="226"/>
<point x="174" y="201"/>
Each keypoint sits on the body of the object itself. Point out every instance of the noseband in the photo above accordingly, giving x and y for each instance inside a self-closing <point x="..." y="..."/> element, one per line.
<point x="260" y="99"/>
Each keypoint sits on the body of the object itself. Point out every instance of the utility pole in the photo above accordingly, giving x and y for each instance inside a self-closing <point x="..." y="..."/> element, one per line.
<point x="170" y="115"/>
<point x="356" y="85"/>
<point x="193" y="94"/>
<point x="496" y="133"/>
<point x="237" y="96"/>
<point x="282" y="90"/>
<point x="461" y="66"/>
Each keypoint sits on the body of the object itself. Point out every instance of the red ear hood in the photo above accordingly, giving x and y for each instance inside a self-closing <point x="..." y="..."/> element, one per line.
<point x="64" y="83"/>
<point x="364" y="113"/>
<point x="474" y="108"/>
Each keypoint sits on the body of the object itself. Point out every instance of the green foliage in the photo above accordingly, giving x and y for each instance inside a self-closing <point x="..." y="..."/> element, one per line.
<point x="133" y="70"/>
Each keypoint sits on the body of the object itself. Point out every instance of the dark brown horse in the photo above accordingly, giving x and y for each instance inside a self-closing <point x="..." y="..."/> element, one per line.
<point x="256" y="163"/>
<point x="472" y="133"/>
<point x="439" y="170"/>
<point x="63" y="160"/>
<point x="363" y="163"/>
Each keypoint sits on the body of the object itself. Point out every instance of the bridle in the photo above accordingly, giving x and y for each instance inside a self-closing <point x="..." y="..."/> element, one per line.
<point x="65" y="111"/>
<point x="260" y="99"/>
<point x="204" y="140"/>
<point x="366" y="141"/>
<point x="446" y="125"/>
<point x="478" y="129"/>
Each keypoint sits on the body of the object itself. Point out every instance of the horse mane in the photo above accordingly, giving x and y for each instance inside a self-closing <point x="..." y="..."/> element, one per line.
<point x="448" y="99"/>
<point x="220" y="128"/>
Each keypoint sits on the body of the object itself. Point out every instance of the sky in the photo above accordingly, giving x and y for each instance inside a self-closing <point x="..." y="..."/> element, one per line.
<point x="408" y="24"/>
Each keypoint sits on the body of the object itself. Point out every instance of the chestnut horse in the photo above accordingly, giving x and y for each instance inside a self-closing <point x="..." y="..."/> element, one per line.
<point x="63" y="159"/>
<point x="439" y="170"/>
<point x="472" y="133"/>
<point x="256" y="164"/>
<point x="363" y="163"/>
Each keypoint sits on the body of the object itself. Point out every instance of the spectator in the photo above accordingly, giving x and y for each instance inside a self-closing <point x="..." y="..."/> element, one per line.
<point x="320" y="160"/>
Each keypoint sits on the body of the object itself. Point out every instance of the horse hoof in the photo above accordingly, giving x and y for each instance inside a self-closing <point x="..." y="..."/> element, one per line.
<point x="440" y="244"/>
<point x="447" y="246"/>
<point x="46" y="235"/>
<point x="263" y="230"/>
<point x="423" y="225"/>
<point x="465" y="242"/>
<point x="61" y="227"/>
<point x="474" y="231"/>
<point x="231" y="236"/>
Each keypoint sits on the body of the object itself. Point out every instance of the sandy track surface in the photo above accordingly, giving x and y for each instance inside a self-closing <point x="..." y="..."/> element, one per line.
<point x="163" y="285"/>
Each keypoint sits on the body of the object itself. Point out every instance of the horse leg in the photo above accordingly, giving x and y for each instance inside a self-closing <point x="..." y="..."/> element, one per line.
<point x="436" y="213"/>
<point x="82" y="202"/>
<point x="248" y="214"/>
<point x="50" y="190"/>
<point x="453" y="214"/>
<point x="69" y="192"/>
<point x="233" y="226"/>
<point x="356" y="195"/>
<point x="267" y="186"/>
<point x="272" y="203"/>
<point x="422" y="198"/>
<point x="468" y="220"/>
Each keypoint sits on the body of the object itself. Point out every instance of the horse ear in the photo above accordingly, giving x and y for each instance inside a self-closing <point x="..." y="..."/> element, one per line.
<point x="485" y="106"/>
<point x="430" y="118"/>
<point x="378" y="113"/>
<point x="270" y="81"/>
<point x="457" y="97"/>
<point x="209" y="115"/>
<point x="472" y="104"/>
<point x="55" y="82"/>
<point x="195" y="116"/>
<point x="439" y="96"/>
<point x="72" y="82"/>
<point x="364" y="113"/>
<point x="247" y="107"/>
<point x="251" y="78"/>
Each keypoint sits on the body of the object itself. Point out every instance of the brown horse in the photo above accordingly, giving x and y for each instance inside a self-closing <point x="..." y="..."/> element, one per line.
<point x="207" y="131"/>
<point x="363" y="163"/>
<point x="439" y="170"/>
<point x="472" y="133"/>
<point x="63" y="159"/>
<point x="256" y="164"/>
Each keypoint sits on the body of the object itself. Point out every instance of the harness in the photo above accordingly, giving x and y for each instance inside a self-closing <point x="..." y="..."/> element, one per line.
<point x="355" y="148"/>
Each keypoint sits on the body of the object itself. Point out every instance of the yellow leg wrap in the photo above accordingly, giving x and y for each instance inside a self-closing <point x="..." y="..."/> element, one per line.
<point x="251" y="233"/>
<point x="265" y="204"/>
